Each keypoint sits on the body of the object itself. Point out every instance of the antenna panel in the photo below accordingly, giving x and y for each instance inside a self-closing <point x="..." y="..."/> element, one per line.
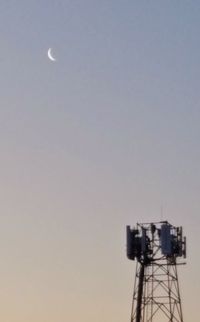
<point x="133" y="243"/>
<point x="166" y="240"/>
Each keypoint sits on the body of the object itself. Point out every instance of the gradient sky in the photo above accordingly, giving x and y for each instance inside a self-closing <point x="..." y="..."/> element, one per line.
<point x="107" y="136"/>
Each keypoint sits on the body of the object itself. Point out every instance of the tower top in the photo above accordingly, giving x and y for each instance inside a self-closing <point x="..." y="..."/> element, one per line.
<point x="148" y="242"/>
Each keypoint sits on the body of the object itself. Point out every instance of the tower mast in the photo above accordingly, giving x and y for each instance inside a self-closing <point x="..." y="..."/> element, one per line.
<point x="157" y="248"/>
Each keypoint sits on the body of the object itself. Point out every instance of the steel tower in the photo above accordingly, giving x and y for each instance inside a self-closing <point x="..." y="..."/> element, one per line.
<point x="156" y="247"/>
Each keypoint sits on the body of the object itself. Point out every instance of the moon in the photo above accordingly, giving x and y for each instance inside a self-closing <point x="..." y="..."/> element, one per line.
<point x="50" y="56"/>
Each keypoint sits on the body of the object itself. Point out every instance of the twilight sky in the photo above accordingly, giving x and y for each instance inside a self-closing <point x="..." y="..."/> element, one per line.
<point x="107" y="136"/>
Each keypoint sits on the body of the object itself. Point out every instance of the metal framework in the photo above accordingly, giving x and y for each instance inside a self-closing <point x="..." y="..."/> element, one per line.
<point x="156" y="295"/>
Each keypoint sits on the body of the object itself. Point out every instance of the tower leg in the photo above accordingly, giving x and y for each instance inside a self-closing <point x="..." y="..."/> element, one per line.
<point x="140" y="293"/>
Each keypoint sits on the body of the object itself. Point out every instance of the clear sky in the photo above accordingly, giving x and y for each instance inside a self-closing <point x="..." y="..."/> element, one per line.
<point x="105" y="137"/>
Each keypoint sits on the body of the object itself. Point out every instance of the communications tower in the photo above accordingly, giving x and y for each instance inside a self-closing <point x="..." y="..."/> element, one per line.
<point x="157" y="248"/>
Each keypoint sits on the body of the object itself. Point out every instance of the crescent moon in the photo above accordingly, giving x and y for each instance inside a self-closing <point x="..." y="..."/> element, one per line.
<point x="50" y="56"/>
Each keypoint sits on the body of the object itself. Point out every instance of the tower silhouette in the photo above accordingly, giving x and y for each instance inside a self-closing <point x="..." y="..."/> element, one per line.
<point x="156" y="247"/>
